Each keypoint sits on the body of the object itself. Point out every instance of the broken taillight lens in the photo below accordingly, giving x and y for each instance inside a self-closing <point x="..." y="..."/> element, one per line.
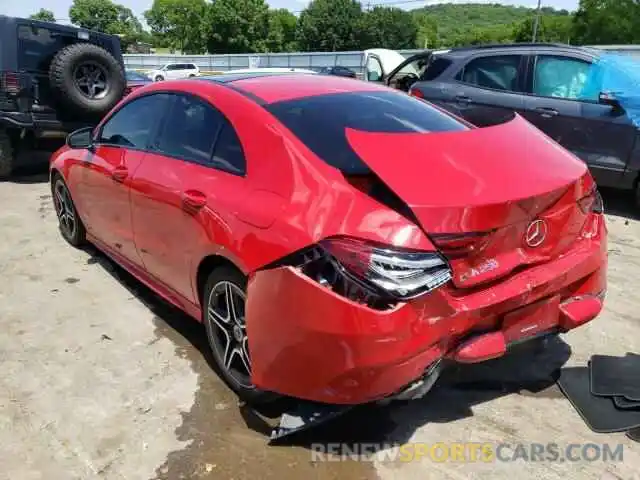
<point x="388" y="271"/>
<point x="592" y="203"/>
<point x="456" y="245"/>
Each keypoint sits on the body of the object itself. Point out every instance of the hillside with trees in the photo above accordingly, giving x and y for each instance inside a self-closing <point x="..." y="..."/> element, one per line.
<point x="247" y="26"/>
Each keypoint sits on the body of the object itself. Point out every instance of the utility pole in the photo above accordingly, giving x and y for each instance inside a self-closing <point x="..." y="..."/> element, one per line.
<point x="536" y="22"/>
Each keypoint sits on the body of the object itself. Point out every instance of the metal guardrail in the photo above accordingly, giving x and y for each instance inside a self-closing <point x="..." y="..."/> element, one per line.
<point x="307" y="60"/>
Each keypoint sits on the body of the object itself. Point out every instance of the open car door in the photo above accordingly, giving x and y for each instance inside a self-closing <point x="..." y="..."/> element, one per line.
<point x="408" y="72"/>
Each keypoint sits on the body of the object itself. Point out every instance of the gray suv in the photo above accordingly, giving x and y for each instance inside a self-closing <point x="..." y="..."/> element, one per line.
<point x="542" y="83"/>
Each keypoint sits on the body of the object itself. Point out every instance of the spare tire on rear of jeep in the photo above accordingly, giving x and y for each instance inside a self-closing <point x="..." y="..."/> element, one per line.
<point x="87" y="79"/>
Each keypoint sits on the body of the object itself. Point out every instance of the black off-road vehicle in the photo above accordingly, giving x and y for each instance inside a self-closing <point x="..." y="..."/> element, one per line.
<point x="53" y="80"/>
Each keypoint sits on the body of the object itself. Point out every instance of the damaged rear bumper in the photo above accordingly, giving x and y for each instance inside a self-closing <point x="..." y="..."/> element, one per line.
<point x="310" y="343"/>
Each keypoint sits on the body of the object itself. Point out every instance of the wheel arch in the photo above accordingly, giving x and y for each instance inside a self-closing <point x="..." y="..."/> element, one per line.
<point x="207" y="265"/>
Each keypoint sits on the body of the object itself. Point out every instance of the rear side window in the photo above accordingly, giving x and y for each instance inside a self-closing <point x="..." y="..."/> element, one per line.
<point x="190" y="130"/>
<point x="435" y="68"/>
<point x="195" y="131"/>
<point x="498" y="72"/>
<point x="320" y="122"/>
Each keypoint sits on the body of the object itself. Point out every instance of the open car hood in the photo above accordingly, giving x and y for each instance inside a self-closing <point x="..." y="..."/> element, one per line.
<point x="474" y="180"/>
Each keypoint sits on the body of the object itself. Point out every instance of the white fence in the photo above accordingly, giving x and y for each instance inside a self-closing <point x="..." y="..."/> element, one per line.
<point x="221" y="63"/>
<point x="308" y="60"/>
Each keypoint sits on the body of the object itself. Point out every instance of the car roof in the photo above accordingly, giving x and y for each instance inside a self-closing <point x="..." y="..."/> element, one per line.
<point x="501" y="47"/>
<point x="270" y="87"/>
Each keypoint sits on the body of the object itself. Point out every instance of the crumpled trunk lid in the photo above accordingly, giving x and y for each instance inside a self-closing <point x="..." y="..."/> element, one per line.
<point x="493" y="183"/>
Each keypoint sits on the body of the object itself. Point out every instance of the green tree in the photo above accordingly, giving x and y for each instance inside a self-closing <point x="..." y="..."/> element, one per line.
<point x="43" y="15"/>
<point x="281" y="36"/>
<point x="385" y="27"/>
<point x="557" y="28"/>
<point x="178" y="24"/>
<point x="607" y="22"/>
<point x="330" y="25"/>
<point x="101" y="15"/>
<point x="428" y="36"/>
<point x="237" y="26"/>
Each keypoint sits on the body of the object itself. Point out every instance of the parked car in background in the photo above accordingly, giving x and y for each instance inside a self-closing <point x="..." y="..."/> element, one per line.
<point x="383" y="239"/>
<point x="53" y="79"/>
<point x="552" y="86"/>
<point x="174" y="71"/>
<point x="135" y="80"/>
<point x="338" y="71"/>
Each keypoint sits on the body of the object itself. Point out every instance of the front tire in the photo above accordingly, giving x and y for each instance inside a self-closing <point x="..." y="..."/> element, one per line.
<point x="69" y="222"/>
<point x="158" y="78"/>
<point x="223" y="305"/>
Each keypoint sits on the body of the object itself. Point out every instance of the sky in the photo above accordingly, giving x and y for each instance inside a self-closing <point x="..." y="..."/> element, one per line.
<point x="24" y="8"/>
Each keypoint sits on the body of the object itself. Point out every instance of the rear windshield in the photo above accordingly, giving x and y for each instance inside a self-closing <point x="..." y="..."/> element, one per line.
<point x="36" y="47"/>
<point x="320" y="122"/>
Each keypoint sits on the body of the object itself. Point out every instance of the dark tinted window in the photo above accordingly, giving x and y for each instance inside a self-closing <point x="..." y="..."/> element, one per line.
<point x="227" y="153"/>
<point x="435" y="68"/>
<point x="499" y="72"/>
<point x="133" y="124"/>
<point x="36" y="46"/>
<point x="190" y="129"/>
<point x="320" y="121"/>
<point x="172" y="67"/>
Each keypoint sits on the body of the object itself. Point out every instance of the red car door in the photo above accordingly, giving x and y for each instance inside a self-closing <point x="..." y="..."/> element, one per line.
<point x="179" y="192"/>
<point x="119" y="150"/>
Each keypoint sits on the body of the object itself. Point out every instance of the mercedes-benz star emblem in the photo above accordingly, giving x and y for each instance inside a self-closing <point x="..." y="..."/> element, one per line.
<point x="536" y="233"/>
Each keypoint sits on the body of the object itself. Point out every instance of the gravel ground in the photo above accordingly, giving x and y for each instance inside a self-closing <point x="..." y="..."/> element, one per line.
<point x="101" y="379"/>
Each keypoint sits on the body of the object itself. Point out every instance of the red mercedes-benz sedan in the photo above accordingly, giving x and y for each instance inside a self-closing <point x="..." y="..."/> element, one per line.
<point x="341" y="241"/>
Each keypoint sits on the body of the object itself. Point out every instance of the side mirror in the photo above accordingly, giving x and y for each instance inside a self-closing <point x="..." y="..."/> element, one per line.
<point x="609" y="98"/>
<point x="373" y="76"/>
<point x="82" y="138"/>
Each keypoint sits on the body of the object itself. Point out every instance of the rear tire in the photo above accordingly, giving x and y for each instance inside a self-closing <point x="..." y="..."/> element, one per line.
<point x="226" y="332"/>
<point x="6" y="155"/>
<point x="71" y="227"/>
<point x="87" y="78"/>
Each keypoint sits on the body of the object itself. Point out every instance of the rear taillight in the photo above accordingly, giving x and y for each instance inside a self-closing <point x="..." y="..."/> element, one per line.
<point x="458" y="245"/>
<point x="414" y="92"/>
<point x="10" y="82"/>
<point x="592" y="203"/>
<point x="367" y="272"/>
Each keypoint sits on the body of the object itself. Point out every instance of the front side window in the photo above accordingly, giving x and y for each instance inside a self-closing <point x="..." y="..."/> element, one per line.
<point x="560" y="77"/>
<point x="498" y="72"/>
<point x="132" y="125"/>
<point x="321" y="122"/>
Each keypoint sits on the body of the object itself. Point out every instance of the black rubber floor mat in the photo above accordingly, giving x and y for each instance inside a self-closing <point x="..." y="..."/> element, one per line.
<point x="625" y="403"/>
<point x="600" y="413"/>
<point x="634" y="434"/>
<point x="616" y="376"/>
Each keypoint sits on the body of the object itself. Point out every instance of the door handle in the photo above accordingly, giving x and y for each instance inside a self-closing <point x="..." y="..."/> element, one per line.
<point x="193" y="200"/>
<point x="119" y="174"/>
<point x="462" y="99"/>
<point x="547" y="111"/>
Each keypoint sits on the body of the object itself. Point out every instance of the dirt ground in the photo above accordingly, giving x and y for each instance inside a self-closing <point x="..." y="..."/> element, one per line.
<point x="101" y="379"/>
